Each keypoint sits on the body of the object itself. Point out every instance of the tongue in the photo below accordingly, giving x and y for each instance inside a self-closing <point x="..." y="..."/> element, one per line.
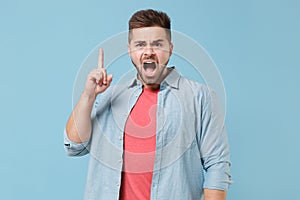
<point x="149" y="67"/>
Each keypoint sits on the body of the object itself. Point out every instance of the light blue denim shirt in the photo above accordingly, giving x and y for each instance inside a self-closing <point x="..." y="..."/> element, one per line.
<point x="192" y="150"/>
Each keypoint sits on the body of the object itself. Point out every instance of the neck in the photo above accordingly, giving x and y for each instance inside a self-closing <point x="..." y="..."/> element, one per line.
<point x="152" y="86"/>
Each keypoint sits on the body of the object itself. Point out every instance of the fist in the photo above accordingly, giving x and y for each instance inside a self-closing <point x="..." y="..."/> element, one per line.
<point x="97" y="80"/>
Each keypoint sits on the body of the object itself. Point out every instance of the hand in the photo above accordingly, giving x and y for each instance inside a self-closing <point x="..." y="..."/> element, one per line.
<point x="97" y="81"/>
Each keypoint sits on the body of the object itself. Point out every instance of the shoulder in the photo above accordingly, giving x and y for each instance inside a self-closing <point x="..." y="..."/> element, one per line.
<point x="203" y="94"/>
<point x="199" y="89"/>
<point x="116" y="93"/>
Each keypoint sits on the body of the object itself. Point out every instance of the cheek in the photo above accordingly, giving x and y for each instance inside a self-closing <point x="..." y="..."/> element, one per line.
<point x="135" y="58"/>
<point x="135" y="55"/>
<point x="163" y="56"/>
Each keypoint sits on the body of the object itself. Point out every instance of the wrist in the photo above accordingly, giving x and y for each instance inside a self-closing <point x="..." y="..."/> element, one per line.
<point x="88" y="97"/>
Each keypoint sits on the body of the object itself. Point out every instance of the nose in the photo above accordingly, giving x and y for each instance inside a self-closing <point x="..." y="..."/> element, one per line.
<point x="148" y="50"/>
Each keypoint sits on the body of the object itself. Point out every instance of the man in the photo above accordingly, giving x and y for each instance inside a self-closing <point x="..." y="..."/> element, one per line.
<point x="159" y="136"/>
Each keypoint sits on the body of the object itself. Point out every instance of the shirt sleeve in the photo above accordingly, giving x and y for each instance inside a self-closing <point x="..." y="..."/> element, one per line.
<point x="75" y="149"/>
<point x="80" y="149"/>
<point x="214" y="147"/>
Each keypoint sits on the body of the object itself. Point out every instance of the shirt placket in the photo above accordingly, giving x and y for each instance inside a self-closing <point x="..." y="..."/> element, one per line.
<point x="159" y="142"/>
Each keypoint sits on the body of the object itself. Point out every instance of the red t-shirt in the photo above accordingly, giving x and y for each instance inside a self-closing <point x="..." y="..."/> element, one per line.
<point x="139" y="148"/>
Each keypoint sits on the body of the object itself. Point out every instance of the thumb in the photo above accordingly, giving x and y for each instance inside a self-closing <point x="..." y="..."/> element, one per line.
<point x="109" y="78"/>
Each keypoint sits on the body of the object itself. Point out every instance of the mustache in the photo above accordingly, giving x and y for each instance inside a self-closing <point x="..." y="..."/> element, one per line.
<point x="158" y="64"/>
<point x="151" y="57"/>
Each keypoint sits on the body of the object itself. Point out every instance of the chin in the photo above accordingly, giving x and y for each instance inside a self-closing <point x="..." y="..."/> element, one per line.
<point x="148" y="81"/>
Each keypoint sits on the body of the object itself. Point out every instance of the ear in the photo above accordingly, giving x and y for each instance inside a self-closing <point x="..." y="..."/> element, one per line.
<point x="171" y="48"/>
<point x="128" y="49"/>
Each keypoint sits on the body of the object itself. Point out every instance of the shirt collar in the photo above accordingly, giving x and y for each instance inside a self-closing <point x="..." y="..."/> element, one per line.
<point x="172" y="79"/>
<point x="134" y="82"/>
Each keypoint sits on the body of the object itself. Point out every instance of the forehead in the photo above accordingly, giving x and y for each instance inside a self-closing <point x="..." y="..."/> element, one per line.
<point x="148" y="34"/>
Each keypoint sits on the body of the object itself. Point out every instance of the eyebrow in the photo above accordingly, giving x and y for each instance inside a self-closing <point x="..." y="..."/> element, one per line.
<point x="155" y="41"/>
<point x="139" y="42"/>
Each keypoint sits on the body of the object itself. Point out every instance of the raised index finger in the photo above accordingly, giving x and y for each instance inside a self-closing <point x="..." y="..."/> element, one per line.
<point x="101" y="59"/>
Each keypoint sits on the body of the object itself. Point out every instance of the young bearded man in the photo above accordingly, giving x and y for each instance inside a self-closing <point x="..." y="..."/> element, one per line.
<point x="160" y="136"/>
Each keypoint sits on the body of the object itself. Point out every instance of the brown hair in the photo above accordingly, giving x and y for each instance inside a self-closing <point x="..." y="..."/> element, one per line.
<point x="150" y="18"/>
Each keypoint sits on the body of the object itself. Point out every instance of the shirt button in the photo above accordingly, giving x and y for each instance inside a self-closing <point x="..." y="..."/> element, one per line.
<point x="120" y="137"/>
<point x="117" y="184"/>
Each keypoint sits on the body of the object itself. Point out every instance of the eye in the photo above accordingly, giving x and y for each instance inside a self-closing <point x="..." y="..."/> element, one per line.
<point x="139" y="45"/>
<point x="158" y="44"/>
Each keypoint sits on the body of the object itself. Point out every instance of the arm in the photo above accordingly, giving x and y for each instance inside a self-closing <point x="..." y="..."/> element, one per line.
<point x="214" y="194"/>
<point x="214" y="150"/>
<point x="79" y="127"/>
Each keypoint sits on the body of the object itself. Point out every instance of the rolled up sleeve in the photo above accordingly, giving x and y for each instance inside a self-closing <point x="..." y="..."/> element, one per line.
<point x="214" y="146"/>
<point x="75" y="149"/>
<point x="217" y="177"/>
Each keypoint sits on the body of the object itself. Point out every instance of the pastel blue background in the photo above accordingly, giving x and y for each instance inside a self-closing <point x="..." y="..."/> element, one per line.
<point x="255" y="45"/>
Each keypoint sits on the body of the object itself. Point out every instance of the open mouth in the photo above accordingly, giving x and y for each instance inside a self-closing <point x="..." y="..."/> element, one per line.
<point x="149" y="66"/>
